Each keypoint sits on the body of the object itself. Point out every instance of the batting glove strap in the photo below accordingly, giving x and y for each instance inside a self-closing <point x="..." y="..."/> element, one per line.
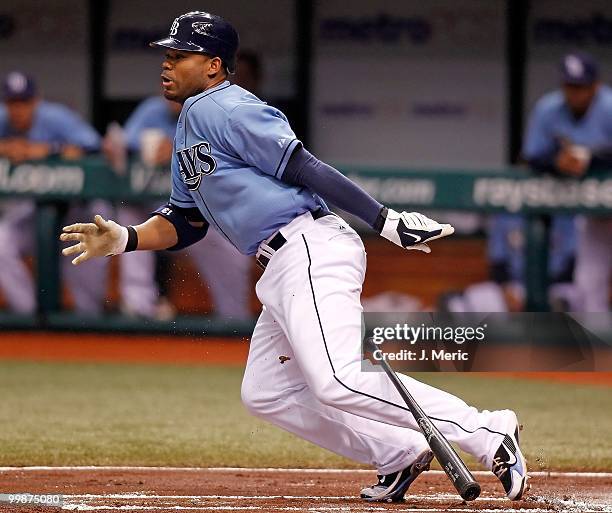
<point x="411" y="230"/>
<point x="380" y="220"/>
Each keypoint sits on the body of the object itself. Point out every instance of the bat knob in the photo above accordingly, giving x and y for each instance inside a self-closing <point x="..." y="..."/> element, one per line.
<point x="470" y="491"/>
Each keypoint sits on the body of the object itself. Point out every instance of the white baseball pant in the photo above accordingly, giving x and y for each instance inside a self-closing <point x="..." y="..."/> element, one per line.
<point x="310" y="293"/>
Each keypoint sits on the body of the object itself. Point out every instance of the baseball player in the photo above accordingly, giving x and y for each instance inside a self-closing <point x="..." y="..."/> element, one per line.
<point x="34" y="129"/>
<point x="238" y="168"/>
<point x="570" y="133"/>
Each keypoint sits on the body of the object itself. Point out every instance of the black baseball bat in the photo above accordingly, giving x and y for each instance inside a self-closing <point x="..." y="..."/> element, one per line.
<point x="453" y="465"/>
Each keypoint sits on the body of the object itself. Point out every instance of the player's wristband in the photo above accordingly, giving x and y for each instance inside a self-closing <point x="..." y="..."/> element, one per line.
<point x="132" y="240"/>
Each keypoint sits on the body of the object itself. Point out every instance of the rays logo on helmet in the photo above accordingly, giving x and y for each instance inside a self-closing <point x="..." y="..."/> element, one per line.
<point x="201" y="27"/>
<point x="174" y="27"/>
<point x="196" y="162"/>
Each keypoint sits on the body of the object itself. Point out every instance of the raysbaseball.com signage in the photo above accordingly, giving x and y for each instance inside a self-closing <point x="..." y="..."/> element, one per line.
<point x="512" y="190"/>
<point x="514" y="195"/>
<point x="41" y="179"/>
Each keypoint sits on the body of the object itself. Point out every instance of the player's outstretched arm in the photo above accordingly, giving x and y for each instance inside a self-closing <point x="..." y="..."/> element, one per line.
<point x="106" y="238"/>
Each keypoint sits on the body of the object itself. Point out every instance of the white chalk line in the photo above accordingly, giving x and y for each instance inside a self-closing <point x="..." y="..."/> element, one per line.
<point x="569" y="506"/>
<point x="238" y="508"/>
<point x="368" y="508"/>
<point x="125" y="496"/>
<point x="79" y="468"/>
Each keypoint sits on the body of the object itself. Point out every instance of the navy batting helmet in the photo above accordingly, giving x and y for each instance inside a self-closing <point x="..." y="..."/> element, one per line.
<point x="203" y="32"/>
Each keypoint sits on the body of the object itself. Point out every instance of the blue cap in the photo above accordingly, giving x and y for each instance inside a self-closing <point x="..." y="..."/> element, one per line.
<point x="18" y="86"/>
<point x="203" y="32"/>
<point x="579" y="68"/>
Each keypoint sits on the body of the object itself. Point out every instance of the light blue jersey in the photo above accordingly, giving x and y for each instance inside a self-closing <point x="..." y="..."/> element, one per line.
<point x="55" y="124"/>
<point x="552" y="121"/>
<point x="153" y="112"/>
<point x="230" y="151"/>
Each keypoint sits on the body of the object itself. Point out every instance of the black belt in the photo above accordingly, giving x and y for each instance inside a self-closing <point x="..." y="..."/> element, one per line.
<point x="278" y="241"/>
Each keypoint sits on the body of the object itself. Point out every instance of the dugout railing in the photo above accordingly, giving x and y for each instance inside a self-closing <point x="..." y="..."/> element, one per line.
<point x="54" y="182"/>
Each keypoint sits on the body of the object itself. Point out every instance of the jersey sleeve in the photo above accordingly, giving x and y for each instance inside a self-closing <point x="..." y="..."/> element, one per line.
<point x="539" y="140"/>
<point x="261" y="136"/>
<point x="180" y="195"/>
<point x="75" y="130"/>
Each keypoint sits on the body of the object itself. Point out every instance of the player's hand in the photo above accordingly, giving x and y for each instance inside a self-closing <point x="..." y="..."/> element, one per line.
<point x="15" y="149"/>
<point x="412" y="230"/>
<point x="71" y="152"/>
<point x="573" y="160"/>
<point x="97" y="239"/>
<point x="37" y="151"/>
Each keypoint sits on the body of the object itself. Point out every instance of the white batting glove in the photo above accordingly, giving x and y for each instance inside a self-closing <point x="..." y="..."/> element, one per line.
<point x="411" y="230"/>
<point x="97" y="239"/>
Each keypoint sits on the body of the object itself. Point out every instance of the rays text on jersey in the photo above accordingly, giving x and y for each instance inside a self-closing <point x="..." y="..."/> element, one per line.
<point x="195" y="162"/>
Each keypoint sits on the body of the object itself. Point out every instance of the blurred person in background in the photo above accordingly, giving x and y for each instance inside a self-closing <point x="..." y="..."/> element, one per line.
<point x="149" y="132"/>
<point x="506" y="253"/>
<point x="505" y="292"/>
<point x="34" y="129"/>
<point x="570" y="134"/>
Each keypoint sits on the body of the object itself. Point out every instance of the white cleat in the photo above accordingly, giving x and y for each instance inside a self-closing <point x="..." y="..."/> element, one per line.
<point x="509" y="464"/>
